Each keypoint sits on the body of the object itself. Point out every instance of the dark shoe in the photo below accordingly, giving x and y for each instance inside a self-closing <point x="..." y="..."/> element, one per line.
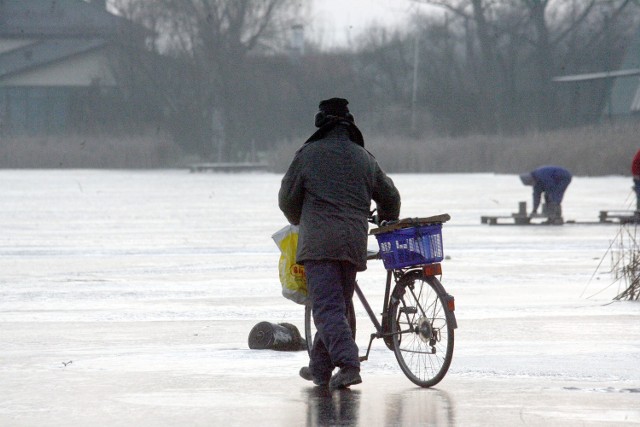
<point x="305" y="373"/>
<point x="554" y="221"/>
<point x="344" y="378"/>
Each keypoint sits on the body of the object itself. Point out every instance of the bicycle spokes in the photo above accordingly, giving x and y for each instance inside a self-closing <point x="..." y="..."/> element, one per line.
<point x="423" y="339"/>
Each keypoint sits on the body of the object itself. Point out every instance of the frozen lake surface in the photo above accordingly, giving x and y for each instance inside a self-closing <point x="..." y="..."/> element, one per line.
<point x="127" y="297"/>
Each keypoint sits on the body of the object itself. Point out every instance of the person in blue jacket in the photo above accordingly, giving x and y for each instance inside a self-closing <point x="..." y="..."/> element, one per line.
<point x="553" y="182"/>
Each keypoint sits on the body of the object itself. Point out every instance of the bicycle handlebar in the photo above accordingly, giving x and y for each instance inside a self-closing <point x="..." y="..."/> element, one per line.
<point x="375" y="219"/>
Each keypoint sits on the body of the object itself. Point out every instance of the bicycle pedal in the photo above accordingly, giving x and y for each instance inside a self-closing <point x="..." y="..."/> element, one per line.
<point x="408" y="310"/>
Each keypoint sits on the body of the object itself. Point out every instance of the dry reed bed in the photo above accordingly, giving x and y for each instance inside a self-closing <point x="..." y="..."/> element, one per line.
<point x="606" y="149"/>
<point x="76" y="151"/>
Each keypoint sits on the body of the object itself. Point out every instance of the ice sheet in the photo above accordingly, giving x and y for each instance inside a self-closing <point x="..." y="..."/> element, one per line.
<point x="126" y="298"/>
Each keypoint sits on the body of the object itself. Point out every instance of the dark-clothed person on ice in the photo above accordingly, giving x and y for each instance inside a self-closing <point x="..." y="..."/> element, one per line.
<point x="327" y="191"/>
<point x="553" y="182"/>
<point x="635" y="172"/>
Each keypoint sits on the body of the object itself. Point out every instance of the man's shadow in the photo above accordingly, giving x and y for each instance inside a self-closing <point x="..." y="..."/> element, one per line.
<point x="330" y="408"/>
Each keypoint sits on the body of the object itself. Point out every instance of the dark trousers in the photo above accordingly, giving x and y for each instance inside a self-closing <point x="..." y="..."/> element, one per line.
<point x="636" y="188"/>
<point x="555" y="193"/>
<point x="331" y="286"/>
<point x="553" y="210"/>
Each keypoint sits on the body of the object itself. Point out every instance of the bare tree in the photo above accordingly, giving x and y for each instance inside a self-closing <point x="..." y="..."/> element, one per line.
<point x="220" y="74"/>
<point x="205" y="79"/>
<point x="515" y="47"/>
<point x="484" y="65"/>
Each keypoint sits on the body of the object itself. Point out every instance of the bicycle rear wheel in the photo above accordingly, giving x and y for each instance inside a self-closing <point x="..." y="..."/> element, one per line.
<point x="310" y="327"/>
<point x="422" y="328"/>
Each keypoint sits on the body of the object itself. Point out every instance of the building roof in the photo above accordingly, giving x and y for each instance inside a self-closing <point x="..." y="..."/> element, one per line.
<point x="56" y="30"/>
<point x="44" y="52"/>
<point x="58" y="18"/>
<point x="625" y="95"/>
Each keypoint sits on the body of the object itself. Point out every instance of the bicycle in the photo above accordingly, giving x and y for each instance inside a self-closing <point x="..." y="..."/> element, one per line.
<point x="417" y="319"/>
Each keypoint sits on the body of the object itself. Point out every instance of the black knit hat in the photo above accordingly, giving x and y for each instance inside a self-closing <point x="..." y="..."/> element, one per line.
<point x="331" y="108"/>
<point x="334" y="107"/>
<point x="333" y="112"/>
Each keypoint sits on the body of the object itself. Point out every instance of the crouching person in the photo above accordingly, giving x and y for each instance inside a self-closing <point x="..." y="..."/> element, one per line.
<point x="553" y="182"/>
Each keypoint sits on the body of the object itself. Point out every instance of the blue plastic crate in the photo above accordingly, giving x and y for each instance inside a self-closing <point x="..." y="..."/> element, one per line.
<point x="406" y="247"/>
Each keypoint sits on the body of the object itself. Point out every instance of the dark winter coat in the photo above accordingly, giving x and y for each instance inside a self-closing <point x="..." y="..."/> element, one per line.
<point x="327" y="190"/>
<point x="635" y="166"/>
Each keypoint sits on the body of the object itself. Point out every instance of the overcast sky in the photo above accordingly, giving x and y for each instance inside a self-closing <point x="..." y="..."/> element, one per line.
<point x="337" y="22"/>
<point x="334" y="23"/>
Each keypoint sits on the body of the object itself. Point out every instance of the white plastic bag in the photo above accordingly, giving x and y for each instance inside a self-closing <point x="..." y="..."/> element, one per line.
<point x="292" y="276"/>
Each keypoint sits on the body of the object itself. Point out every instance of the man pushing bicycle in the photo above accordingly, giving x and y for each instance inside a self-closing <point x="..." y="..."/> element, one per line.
<point x="327" y="191"/>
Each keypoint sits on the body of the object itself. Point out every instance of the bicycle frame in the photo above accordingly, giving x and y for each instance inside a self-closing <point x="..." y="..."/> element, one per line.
<point x="379" y="331"/>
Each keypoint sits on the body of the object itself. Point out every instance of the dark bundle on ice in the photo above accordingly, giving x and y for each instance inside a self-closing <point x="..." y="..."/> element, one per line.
<point x="271" y="336"/>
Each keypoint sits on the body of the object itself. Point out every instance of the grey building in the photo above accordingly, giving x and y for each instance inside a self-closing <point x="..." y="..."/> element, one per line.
<point x="56" y="62"/>
<point x="625" y="93"/>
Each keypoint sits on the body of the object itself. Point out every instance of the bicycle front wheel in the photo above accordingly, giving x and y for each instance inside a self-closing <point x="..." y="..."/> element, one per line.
<point x="422" y="328"/>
